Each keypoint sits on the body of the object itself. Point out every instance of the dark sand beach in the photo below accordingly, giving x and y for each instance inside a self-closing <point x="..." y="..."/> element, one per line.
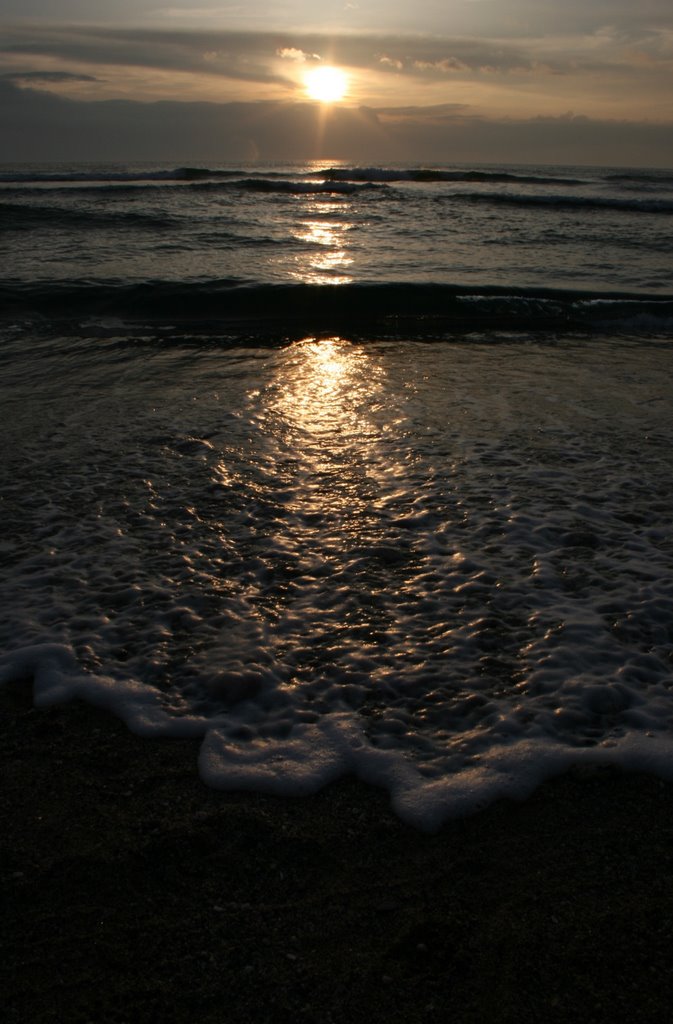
<point x="133" y="893"/>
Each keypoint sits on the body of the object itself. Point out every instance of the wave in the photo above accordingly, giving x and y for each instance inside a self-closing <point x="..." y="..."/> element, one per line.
<point x="93" y="175"/>
<point x="644" y="177"/>
<point x="373" y="175"/>
<point x="27" y="217"/>
<point x="563" y="202"/>
<point x="302" y="187"/>
<point x="262" y="183"/>
<point x="385" y="174"/>
<point x="333" y="183"/>
<point x="421" y="310"/>
<point x="334" y="174"/>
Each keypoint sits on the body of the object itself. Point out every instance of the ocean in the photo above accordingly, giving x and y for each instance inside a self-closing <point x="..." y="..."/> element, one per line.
<point x="349" y="471"/>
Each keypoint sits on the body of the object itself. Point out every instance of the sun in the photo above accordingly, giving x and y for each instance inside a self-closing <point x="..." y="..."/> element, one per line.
<point x="326" y="84"/>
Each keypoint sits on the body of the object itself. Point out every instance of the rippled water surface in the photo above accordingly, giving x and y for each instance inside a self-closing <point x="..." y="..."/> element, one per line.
<point x="447" y="567"/>
<point x="586" y="228"/>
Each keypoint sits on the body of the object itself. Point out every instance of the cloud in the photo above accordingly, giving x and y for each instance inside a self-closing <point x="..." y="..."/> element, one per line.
<point x="239" y="56"/>
<point x="572" y="18"/>
<point x="292" y="53"/>
<point x="438" y="113"/>
<point x="37" y="125"/>
<point x="495" y="19"/>
<point x="188" y="12"/>
<point x="253" y="53"/>
<point x="445" y="65"/>
<point x="38" y="78"/>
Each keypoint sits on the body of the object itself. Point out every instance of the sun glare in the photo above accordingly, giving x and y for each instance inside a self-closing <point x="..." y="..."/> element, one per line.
<point x="325" y="84"/>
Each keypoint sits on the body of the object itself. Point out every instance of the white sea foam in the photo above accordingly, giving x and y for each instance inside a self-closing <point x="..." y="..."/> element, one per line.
<point x="445" y="569"/>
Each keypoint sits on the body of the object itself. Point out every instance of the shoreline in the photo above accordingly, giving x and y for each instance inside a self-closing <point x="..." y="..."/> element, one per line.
<point x="134" y="892"/>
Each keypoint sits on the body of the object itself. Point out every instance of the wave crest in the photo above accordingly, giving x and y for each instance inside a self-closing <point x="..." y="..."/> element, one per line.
<point x="419" y="310"/>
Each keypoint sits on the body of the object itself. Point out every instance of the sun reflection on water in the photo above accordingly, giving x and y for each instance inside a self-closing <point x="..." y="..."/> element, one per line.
<point x="327" y="256"/>
<point x="328" y="416"/>
<point x="333" y="387"/>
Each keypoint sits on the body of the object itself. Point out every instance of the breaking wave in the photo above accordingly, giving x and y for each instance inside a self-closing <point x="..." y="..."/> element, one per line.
<point x="383" y="174"/>
<point x="424" y="310"/>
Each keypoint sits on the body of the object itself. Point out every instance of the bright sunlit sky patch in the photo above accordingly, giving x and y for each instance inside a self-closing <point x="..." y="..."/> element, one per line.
<point x="432" y="71"/>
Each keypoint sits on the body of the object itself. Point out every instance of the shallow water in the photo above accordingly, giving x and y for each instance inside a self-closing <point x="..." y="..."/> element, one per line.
<point x="446" y="567"/>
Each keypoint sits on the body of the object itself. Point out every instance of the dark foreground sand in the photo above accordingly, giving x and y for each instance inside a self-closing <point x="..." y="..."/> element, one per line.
<point x="133" y="893"/>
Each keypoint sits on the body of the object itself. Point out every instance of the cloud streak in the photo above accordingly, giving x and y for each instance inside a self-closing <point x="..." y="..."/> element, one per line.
<point x="46" y="77"/>
<point x="185" y="51"/>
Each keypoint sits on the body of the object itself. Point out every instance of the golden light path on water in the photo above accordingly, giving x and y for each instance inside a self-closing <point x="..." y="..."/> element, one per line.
<point x="332" y="387"/>
<point x="329" y="426"/>
<point x="325" y="230"/>
<point x="331" y="399"/>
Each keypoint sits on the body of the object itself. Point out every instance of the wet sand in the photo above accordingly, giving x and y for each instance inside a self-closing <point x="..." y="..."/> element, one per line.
<point x="133" y="893"/>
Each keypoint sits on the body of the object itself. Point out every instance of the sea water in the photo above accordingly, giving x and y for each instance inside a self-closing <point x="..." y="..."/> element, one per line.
<point x="298" y="462"/>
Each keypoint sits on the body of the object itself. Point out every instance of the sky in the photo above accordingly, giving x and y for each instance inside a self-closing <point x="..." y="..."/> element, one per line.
<point x="433" y="81"/>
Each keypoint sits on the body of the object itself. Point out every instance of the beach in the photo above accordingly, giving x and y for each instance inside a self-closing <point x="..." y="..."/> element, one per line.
<point x="132" y="892"/>
<point x="335" y="656"/>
